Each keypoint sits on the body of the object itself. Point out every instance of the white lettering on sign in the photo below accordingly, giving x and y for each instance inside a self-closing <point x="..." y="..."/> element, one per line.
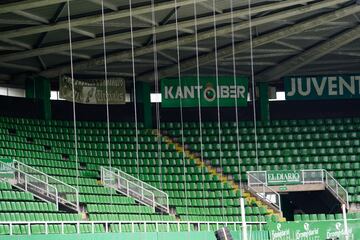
<point x="325" y="86"/>
<point x="192" y="92"/>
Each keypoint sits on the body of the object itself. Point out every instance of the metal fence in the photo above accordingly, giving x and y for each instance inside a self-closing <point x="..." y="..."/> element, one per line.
<point x="40" y="184"/>
<point x="309" y="176"/>
<point x="257" y="183"/>
<point x="134" y="187"/>
<point x="130" y="226"/>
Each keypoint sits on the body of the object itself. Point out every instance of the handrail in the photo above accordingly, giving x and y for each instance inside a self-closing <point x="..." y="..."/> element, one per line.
<point x="108" y="224"/>
<point x="161" y="197"/>
<point x="62" y="193"/>
<point x="27" y="183"/>
<point x="48" y="176"/>
<point x="345" y="198"/>
<point x="126" y="187"/>
<point x="23" y="172"/>
<point x="264" y="194"/>
<point x="133" y="187"/>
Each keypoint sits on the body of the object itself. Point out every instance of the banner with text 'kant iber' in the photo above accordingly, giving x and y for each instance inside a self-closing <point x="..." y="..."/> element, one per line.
<point x="225" y="93"/>
<point x="322" y="87"/>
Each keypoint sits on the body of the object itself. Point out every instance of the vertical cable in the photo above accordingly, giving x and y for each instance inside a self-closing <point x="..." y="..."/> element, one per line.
<point x="199" y="104"/>
<point x="218" y="105"/>
<point x="253" y="85"/>
<point x="106" y="89"/>
<point x="156" y="80"/>
<point x="181" y="106"/>
<point x="253" y="89"/>
<point x="134" y="93"/>
<point x="236" y="103"/>
<point x="73" y="94"/>
<point x="134" y="87"/>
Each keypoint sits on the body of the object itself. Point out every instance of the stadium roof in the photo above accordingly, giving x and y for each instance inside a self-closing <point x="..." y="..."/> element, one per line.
<point x="290" y="37"/>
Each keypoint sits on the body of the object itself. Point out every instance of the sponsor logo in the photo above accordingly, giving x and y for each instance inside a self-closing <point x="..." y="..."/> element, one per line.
<point x="280" y="177"/>
<point x="325" y="86"/>
<point x="307" y="233"/>
<point x="280" y="234"/>
<point x="209" y="93"/>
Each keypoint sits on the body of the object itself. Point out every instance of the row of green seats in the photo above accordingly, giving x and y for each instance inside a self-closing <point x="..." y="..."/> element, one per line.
<point x="244" y="133"/>
<point x="232" y="145"/>
<point x="225" y="218"/>
<point x="204" y="194"/>
<point x="196" y="186"/>
<point x="130" y="217"/>
<point x="27" y="207"/>
<point x="31" y="217"/>
<point x="120" y="209"/>
<point x="193" y="137"/>
<point x="219" y="211"/>
<point x="246" y="124"/>
<point x="15" y="196"/>
<point x="5" y="186"/>
<point x="151" y="227"/>
<point x="205" y="202"/>
<point x="317" y="217"/>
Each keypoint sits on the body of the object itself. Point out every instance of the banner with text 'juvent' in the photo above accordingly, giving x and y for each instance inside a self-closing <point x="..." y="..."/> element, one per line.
<point x="211" y="92"/>
<point x="319" y="230"/>
<point x="93" y="91"/>
<point x="322" y="87"/>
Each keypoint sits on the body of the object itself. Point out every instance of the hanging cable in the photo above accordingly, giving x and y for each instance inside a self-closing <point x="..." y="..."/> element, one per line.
<point x="236" y="103"/>
<point x="218" y="106"/>
<point x="156" y="80"/>
<point x="181" y="106"/>
<point x="134" y="87"/>
<point x="106" y="90"/>
<point x="199" y="105"/>
<point x="253" y="91"/>
<point x="134" y="94"/>
<point x="253" y="85"/>
<point x="73" y="94"/>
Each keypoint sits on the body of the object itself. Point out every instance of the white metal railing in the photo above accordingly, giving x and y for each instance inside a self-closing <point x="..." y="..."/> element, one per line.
<point x="189" y="226"/>
<point x="40" y="184"/>
<point x="336" y="189"/>
<point x="258" y="185"/>
<point x="308" y="176"/>
<point x="134" y="187"/>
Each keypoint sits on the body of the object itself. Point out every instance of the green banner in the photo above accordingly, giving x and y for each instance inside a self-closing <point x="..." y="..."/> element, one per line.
<point x="320" y="230"/>
<point x="93" y="91"/>
<point x="322" y="87"/>
<point x="283" y="177"/>
<point x="211" y="94"/>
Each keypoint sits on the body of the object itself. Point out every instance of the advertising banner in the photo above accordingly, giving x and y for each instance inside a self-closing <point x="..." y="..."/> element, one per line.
<point x="320" y="230"/>
<point x="322" y="87"/>
<point x="210" y="93"/>
<point x="93" y="91"/>
<point x="283" y="177"/>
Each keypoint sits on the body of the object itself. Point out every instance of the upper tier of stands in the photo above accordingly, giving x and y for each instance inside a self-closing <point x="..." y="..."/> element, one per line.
<point x="331" y="144"/>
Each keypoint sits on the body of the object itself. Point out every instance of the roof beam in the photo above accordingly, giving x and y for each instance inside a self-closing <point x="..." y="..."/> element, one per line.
<point x="257" y="41"/>
<point x="187" y="23"/>
<point x="20" y="67"/>
<point x="27" y="4"/>
<point x="168" y="44"/>
<point x="76" y="22"/>
<point x="31" y="16"/>
<point x="309" y="55"/>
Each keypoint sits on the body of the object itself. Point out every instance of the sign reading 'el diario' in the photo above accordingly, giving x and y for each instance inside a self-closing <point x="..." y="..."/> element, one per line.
<point x="283" y="177"/>
<point x="322" y="87"/>
<point x="211" y="92"/>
